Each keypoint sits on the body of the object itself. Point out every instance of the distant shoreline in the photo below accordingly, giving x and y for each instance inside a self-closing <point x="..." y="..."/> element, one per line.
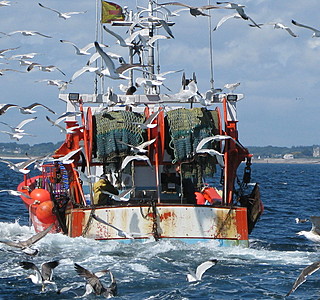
<point x="287" y="161"/>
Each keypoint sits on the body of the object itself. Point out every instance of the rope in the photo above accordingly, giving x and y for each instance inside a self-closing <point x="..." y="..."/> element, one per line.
<point x="85" y="230"/>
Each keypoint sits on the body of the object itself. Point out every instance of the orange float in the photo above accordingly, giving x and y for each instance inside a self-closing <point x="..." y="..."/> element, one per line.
<point x="45" y="213"/>
<point x="40" y="195"/>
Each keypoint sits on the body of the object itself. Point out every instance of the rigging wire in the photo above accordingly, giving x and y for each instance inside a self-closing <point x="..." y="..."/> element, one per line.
<point x="210" y="47"/>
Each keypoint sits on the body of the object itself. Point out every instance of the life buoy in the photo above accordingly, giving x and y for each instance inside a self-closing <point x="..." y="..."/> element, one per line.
<point x="40" y="195"/>
<point x="44" y="212"/>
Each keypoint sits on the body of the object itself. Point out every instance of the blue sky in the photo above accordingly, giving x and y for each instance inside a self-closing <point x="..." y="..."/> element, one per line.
<point x="278" y="73"/>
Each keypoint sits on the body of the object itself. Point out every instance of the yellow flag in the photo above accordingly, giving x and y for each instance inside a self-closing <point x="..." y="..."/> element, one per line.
<point x="111" y="12"/>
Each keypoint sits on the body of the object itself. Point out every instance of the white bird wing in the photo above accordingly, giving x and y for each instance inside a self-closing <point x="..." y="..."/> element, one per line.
<point x="24" y="122"/>
<point x="204" y="141"/>
<point x="204" y="267"/>
<point x="157" y="37"/>
<point x="303" y="276"/>
<point x="54" y="10"/>
<point x="305" y="26"/>
<point x="106" y="58"/>
<point x="129" y="158"/>
<point x="146" y="144"/>
<point x="219" y="156"/>
<point x="122" y="42"/>
<point x="225" y="18"/>
<point x="83" y="70"/>
<point x="70" y="154"/>
<point x="315" y="224"/>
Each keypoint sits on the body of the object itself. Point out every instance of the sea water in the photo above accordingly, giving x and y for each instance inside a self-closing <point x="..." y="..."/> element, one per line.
<point x="157" y="270"/>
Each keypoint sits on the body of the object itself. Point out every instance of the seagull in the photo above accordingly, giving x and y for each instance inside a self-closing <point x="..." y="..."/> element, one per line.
<point x="61" y="84"/>
<point x="195" y="11"/>
<point x="217" y="137"/>
<point x="139" y="148"/>
<point x="16" y="193"/>
<point x="5" y="107"/>
<point x="189" y="92"/>
<point x="24" y="56"/>
<point x="94" y="284"/>
<point x="121" y="197"/>
<point x="20" y="125"/>
<point x="83" y="70"/>
<point x="66" y="158"/>
<point x="63" y="15"/>
<point x="148" y="82"/>
<point x="6" y="70"/>
<point x="62" y="129"/>
<point x="25" y="246"/>
<point x="219" y="156"/>
<point x="298" y="220"/>
<point x="148" y="122"/>
<point x="303" y="276"/>
<point x="96" y="55"/>
<point x="239" y="9"/>
<point x="20" y="166"/>
<point x="135" y="157"/>
<point x="29" y="109"/>
<point x="122" y="42"/>
<point x="316" y="32"/>
<point x="16" y="135"/>
<point x="5" y="3"/>
<point x="192" y="277"/>
<point x="155" y="38"/>
<point x="50" y="68"/>
<point x="42" y="277"/>
<point x="314" y="234"/>
<point x="231" y="86"/>
<point x="67" y="114"/>
<point x="225" y="18"/>
<point x="277" y="25"/>
<point x="83" y="50"/>
<point x="29" y="33"/>
<point x="6" y="50"/>
<point x="121" y="233"/>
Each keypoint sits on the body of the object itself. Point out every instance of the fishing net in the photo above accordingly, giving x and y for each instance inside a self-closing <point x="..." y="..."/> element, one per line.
<point x="115" y="126"/>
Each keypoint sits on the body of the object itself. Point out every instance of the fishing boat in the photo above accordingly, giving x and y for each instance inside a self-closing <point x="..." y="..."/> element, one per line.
<point x="145" y="164"/>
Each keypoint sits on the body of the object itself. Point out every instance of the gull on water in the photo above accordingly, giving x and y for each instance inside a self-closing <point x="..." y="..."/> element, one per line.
<point x="43" y="277"/>
<point x="120" y="40"/>
<point x="316" y="32"/>
<point x="303" y="276"/>
<point x="20" y="125"/>
<point x="139" y="148"/>
<point x="314" y="234"/>
<point x="240" y="11"/>
<point x="298" y="220"/>
<point x="29" y="33"/>
<point x="197" y="276"/>
<point x="25" y="246"/>
<point x="30" y="108"/>
<point x="195" y="11"/>
<point x="63" y="15"/>
<point x="123" y="196"/>
<point x="130" y="158"/>
<point x="94" y="284"/>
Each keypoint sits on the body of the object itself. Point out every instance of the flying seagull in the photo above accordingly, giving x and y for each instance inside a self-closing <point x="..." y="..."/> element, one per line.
<point x="42" y="277"/>
<point x="83" y="70"/>
<point x="225" y="18"/>
<point x="219" y="156"/>
<point x="5" y="50"/>
<point x="314" y="234"/>
<point x="29" y="33"/>
<point x="240" y="11"/>
<point x="68" y="114"/>
<point x="83" y="50"/>
<point x="303" y="276"/>
<point x="20" y="125"/>
<point x="66" y="159"/>
<point x="50" y="68"/>
<point x="277" y="25"/>
<point x="120" y="232"/>
<point x="94" y="284"/>
<point x="231" y="86"/>
<point x="30" y="108"/>
<point x="316" y="32"/>
<point x="61" y="84"/>
<point x="148" y="122"/>
<point x="20" y="166"/>
<point x="16" y="193"/>
<point x="16" y="135"/>
<point x="25" y="246"/>
<point x="5" y="3"/>
<point x="63" y="15"/>
<point x="139" y="148"/>
<point x="129" y="158"/>
<point x="195" y="11"/>
<point x="196" y="276"/>
<point x="62" y="129"/>
<point x="217" y="137"/>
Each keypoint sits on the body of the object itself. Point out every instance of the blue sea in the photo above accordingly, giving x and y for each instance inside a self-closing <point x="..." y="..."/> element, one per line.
<point x="157" y="270"/>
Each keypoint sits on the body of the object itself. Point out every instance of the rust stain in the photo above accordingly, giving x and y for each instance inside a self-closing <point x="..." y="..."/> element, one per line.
<point x="166" y="216"/>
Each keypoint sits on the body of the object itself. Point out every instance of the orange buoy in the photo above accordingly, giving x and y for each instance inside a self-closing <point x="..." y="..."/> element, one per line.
<point x="40" y="195"/>
<point x="44" y="212"/>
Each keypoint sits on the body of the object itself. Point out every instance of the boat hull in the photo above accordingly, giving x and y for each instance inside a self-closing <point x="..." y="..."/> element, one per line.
<point x="183" y="222"/>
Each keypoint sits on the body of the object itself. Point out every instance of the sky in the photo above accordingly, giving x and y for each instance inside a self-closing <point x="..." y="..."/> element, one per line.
<point x="278" y="73"/>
